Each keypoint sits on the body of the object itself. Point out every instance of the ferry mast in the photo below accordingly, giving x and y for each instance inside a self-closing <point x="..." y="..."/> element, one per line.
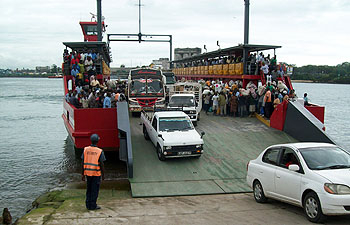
<point x="246" y="35"/>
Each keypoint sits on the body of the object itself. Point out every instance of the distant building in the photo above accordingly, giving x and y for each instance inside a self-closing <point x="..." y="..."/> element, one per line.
<point x="42" y="69"/>
<point x="120" y="72"/>
<point x="181" y="53"/>
<point x="161" y="63"/>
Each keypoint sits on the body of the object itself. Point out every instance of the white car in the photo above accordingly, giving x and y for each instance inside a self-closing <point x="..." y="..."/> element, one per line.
<point x="315" y="176"/>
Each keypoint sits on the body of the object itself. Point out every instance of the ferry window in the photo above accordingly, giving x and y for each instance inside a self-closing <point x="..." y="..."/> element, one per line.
<point x="271" y="156"/>
<point x="91" y="29"/>
<point x="154" y="123"/>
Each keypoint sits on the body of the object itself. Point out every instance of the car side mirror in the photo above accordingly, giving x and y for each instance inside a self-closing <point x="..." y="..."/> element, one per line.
<point x="196" y="104"/>
<point x="159" y="135"/>
<point x="294" y="167"/>
<point x="202" y="134"/>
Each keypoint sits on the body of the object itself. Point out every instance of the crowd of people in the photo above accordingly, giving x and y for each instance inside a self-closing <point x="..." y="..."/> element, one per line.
<point x="255" y="63"/>
<point x="212" y="61"/>
<point x="88" y="91"/>
<point x="231" y="99"/>
<point x="101" y="96"/>
<point x="82" y="66"/>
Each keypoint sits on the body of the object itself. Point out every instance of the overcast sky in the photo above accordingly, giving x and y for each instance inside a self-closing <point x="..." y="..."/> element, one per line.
<point x="310" y="31"/>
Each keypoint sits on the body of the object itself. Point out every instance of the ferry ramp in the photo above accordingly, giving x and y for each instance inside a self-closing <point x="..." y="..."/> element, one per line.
<point x="229" y="143"/>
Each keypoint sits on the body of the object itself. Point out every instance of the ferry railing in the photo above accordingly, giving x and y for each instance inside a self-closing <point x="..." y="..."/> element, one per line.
<point x="125" y="149"/>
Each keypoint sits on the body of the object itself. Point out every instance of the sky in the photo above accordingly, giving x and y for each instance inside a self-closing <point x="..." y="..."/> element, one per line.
<point x="310" y="32"/>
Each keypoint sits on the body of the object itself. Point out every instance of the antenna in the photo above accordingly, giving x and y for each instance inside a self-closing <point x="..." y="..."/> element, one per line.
<point x="93" y="16"/>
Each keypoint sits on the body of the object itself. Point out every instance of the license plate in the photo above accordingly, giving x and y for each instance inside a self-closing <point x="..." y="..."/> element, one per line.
<point x="184" y="153"/>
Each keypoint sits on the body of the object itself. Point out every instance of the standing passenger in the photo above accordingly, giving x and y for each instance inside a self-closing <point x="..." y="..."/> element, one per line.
<point x="107" y="101"/>
<point x="207" y="102"/>
<point x="268" y="103"/>
<point x="92" y="167"/>
<point x="233" y="104"/>
<point x="215" y="99"/>
<point x="222" y="104"/>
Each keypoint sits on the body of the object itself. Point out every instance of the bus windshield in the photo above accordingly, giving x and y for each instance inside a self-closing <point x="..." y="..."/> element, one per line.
<point x="146" y="85"/>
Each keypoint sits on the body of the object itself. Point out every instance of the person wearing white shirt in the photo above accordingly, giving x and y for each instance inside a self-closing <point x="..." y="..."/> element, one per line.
<point x="215" y="99"/>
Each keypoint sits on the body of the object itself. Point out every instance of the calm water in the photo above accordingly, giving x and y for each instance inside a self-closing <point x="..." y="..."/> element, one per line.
<point x="36" y="155"/>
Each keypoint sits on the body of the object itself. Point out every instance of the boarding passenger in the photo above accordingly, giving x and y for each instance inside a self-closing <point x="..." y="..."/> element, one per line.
<point x="94" y="83"/>
<point x="268" y="103"/>
<point x="233" y="104"/>
<point x="207" y="102"/>
<point x="222" y="104"/>
<point x="277" y="101"/>
<point x="88" y="64"/>
<point x="251" y="103"/>
<point x="242" y="105"/>
<point x="215" y="100"/>
<point x="84" y="101"/>
<point x="107" y="101"/>
<point x="92" y="169"/>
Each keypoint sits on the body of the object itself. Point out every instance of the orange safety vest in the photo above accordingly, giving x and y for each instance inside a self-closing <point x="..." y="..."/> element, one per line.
<point x="91" y="157"/>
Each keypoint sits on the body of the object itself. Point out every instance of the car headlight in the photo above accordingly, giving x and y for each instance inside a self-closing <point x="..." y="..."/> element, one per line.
<point x="337" y="189"/>
<point x="199" y="146"/>
<point x="167" y="147"/>
<point x="192" y="112"/>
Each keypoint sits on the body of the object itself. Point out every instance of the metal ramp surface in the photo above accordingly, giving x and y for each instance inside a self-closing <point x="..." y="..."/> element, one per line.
<point x="229" y="144"/>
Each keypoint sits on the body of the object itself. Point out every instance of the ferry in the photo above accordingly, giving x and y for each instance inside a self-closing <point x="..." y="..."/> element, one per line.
<point x="81" y="123"/>
<point x="56" y="76"/>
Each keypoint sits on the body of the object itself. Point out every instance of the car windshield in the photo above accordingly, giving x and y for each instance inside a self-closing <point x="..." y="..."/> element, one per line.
<point x="170" y="79"/>
<point x="321" y="158"/>
<point x="175" y="123"/>
<point x="179" y="101"/>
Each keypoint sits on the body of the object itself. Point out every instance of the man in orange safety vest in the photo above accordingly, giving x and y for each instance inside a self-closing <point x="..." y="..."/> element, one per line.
<point x="92" y="168"/>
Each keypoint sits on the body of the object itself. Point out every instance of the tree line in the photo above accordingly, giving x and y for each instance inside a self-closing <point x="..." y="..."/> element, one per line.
<point x="339" y="74"/>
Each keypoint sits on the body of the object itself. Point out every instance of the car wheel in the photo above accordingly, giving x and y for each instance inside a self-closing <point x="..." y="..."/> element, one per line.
<point x="145" y="134"/>
<point x="199" y="117"/>
<point x="312" y="208"/>
<point x="259" y="192"/>
<point x="160" y="155"/>
<point x="195" y="123"/>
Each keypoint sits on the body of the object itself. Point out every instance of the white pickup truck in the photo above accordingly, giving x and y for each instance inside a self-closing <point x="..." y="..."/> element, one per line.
<point x="188" y="97"/>
<point x="172" y="133"/>
<point x="187" y="103"/>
